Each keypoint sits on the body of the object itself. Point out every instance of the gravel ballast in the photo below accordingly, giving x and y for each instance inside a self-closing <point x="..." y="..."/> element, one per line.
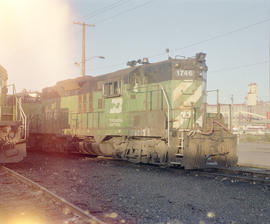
<point x="122" y="192"/>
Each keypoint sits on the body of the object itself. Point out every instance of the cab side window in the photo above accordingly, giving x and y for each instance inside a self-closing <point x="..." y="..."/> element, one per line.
<point x="112" y="88"/>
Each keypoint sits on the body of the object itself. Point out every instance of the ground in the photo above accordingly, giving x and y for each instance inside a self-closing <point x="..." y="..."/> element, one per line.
<point x="135" y="193"/>
<point x="254" y="154"/>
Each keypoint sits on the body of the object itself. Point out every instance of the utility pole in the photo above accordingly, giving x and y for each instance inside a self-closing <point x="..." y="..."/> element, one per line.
<point x="231" y="113"/>
<point x="218" y="104"/>
<point x="269" y="68"/>
<point x="83" y="24"/>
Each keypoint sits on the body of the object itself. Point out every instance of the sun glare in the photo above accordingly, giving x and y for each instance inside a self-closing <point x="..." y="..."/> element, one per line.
<point x="26" y="218"/>
<point x="35" y="41"/>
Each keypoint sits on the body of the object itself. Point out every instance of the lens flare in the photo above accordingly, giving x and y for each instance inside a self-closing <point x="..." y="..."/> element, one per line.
<point x="26" y="218"/>
<point x="35" y="41"/>
<point x="210" y="214"/>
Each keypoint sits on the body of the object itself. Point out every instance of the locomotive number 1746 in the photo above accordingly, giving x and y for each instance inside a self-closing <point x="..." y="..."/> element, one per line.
<point x="181" y="73"/>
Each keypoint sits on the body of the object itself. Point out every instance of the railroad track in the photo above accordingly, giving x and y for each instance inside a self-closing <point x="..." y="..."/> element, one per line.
<point x="254" y="175"/>
<point x="22" y="191"/>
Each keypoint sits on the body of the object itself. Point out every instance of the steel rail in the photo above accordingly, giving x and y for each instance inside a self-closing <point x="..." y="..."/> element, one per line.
<point x="240" y="174"/>
<point x="253" y="171"/>
<point x="73" y="208"/>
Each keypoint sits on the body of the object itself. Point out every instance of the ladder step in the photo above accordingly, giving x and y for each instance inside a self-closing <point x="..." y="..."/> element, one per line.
<point x="175" y="163"/>
<point x="179" y="155"/>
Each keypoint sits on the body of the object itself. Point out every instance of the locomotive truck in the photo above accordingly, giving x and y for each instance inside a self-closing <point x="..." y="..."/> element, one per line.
<point x="12" y="123"/>
<point x="151" y="113"/>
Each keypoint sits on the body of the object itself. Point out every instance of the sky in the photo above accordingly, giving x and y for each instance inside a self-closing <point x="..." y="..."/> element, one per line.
<point x="40" y="44"/>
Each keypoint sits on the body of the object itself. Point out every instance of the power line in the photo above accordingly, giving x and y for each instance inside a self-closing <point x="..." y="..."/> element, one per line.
<point x="216" y="37"/>
<point x="120" y="13"/>
<point x="125" y="11"/>
<point x="105" y="9"/>
<point x="240" y="66"/>
<point x="209" y="39"/>
<point x="224" y="34"/>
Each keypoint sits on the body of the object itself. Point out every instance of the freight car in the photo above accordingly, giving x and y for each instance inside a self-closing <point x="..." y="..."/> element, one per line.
<point x="12" y="123"/>
<point x="152" y="113"/>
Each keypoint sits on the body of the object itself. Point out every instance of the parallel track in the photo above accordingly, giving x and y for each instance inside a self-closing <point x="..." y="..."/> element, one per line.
<point x="253" y="175"/>
<point x="88" y="218"/>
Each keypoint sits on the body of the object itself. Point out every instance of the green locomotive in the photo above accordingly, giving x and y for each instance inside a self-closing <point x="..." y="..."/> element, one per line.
<point x="12" y="123"/>
<point x="152" y="113"/>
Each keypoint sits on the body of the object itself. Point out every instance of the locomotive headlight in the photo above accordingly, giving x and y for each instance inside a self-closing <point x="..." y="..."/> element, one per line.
<point x="176" y="65"/>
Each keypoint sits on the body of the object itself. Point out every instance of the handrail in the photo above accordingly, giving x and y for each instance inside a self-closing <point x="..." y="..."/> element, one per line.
<point x="168" y="106"/>
<point x="23" y="117"/>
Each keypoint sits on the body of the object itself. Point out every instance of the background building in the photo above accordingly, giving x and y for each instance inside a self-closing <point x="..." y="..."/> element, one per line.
<point x="253" y="116"/>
